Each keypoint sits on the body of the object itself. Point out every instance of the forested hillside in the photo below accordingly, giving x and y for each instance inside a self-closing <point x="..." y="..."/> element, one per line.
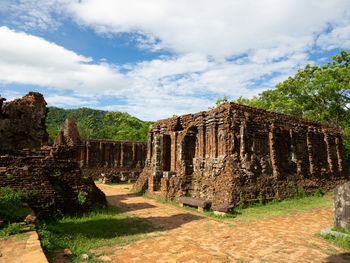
<point x="98" y="124"/>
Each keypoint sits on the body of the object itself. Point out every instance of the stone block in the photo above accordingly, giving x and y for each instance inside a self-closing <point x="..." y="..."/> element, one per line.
<point x="341" y="206"/>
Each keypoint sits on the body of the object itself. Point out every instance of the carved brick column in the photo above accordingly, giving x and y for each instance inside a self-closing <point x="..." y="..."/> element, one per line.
<point x="243" y="135"/>
<point x="173" y="150"/>
<point x="273" y="152"/>
<point x="329" y="151"/>
<point x="310" y="151"/>
<point x="121" y="154"/>
<point x="340" y="153"/>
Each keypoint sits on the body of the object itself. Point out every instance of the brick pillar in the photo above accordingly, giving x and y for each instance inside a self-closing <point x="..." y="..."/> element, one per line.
<point x="340" y="153"/>
<point x="173" y="150"/>
<point x="88" y="154"/>
<point x="201" y="141"/>
<point x="243" y="135"/>
<point x="273" y="152"/>
<point x="121" y="154"/>
<point x="149" y="147"/>
<point x="329" y="152"/>
<point x="293" y="146"/>
<point x="157" y="152"/>
<point x="309" y="150"/>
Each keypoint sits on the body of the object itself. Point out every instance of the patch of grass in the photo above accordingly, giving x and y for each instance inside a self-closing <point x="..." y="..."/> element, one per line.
<point x="343" y="230"/>
<point x="103" y="227"/>
<point x="340" y="241"/>
<point x="278" y="208"/>
<point x="11" y="229"/>
<point x="254" y="211"/>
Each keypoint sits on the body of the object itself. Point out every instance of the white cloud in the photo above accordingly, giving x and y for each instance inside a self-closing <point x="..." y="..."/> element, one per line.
<point x="150" y="90"/>
<point x="64" y="101"/>
<point x="216" y="28"/>
<point x="27" y="59"/>
<point x="32" y="14"/>
<point x="339" y="37"/>
<point x="221" y="48"/>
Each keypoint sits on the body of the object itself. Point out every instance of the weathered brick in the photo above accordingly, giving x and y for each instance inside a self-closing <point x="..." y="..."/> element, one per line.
<point x="238" y="152"/>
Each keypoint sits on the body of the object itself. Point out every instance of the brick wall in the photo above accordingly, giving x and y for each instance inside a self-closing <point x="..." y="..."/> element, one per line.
<point x="236" y="151"/>
<point x="110" y="160"/>
<point x="54" y="182"/>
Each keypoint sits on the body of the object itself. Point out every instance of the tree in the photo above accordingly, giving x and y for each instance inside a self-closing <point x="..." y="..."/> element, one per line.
<point x="219" y="102"/>
<point x="316" y="93"/>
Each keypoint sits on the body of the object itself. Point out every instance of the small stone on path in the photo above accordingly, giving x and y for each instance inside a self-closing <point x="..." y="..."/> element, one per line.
<point x="85" y="256"/>
<point x="105" y="258"/>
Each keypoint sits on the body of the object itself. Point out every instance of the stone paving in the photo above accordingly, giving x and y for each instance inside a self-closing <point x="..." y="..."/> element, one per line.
<point x="191" y="237"/>
<point x="25" y="250"/>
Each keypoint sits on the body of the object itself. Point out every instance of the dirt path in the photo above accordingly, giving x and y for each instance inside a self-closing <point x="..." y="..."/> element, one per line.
<point x="189" y="237"/>
<point x="25" y="250"/>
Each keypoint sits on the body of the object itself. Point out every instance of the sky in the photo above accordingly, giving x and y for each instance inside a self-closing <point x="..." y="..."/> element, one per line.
<point x="157" y="58"/>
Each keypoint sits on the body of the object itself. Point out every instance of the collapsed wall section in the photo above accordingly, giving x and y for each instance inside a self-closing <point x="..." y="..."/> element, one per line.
<point x="53" y="183"/>
<point x="237" y="152"/>
<point x="108" y="160"/>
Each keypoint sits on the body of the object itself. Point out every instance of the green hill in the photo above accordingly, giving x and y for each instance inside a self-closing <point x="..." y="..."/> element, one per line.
<point x="98" y="124"/>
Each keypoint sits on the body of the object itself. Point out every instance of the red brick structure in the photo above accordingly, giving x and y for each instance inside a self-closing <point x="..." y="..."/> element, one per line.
<point x="109" y="160"/>
<point x="22" y="123"/>
<point x="236" y="152"/>
<point x="55" y="184"/>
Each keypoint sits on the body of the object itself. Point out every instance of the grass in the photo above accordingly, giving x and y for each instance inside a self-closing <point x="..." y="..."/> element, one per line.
<point x="104" y="227"/>
<point x="13" y="229"/>
<point x="340" y="241"/>
<point x="275" y="208"/>
<point x="11" y="205"/>
<point x="279" y="208"/>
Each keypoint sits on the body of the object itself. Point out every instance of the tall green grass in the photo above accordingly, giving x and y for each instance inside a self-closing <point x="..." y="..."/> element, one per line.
<point x="103" y="227"/>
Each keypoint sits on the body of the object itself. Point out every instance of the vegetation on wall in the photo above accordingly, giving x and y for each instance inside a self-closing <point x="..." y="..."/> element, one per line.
<point x="98" y="124"/>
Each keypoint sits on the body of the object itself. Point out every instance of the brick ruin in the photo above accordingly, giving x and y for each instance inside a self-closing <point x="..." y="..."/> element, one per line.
<point x="235" y="153"/>
<point x="46" y="173"/>
<point x="22" y="123"/>
<point x="107" y="160"/>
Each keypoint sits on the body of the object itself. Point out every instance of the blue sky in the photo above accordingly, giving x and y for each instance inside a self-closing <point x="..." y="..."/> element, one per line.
<point x="157" y="58"/>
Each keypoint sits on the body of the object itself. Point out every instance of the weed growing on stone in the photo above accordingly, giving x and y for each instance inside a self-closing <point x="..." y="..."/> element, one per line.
<point x="340" y="241"/>
<point x="81" y="199"/>
<point x="102" y="227"/>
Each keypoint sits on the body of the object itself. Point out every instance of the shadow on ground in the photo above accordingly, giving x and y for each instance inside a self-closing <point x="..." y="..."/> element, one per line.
<point x="108" y="228"/>
<point x="116" y="200"/>
<point x="340" y="258"/>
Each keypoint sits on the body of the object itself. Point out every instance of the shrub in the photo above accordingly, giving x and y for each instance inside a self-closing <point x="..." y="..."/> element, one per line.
<point x="11" y="229"/>
<point x="11" y="205"/>
<point x="81" y="199"/>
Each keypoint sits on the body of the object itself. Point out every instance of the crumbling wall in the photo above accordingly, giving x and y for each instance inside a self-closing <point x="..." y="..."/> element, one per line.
<point x="53" y="182"/>
<point x="22" y="123"/>
<point x="237" y="152"/>
<point x="47" y="174"/>
<point x="109" y="160"/>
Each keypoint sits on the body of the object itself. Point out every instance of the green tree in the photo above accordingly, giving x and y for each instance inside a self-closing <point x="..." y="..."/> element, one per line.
<point x="316" y="93"/>
<point x="219" y="102"/>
